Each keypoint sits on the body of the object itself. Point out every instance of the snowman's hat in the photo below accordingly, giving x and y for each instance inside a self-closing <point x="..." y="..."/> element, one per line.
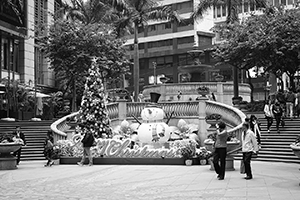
<point x="154" y="97"/>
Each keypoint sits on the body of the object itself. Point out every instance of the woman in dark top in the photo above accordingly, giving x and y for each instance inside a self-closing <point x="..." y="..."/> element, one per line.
<point x="220" y="150"/>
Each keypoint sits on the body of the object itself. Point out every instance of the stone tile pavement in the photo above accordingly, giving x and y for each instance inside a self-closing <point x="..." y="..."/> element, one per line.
<point x="272" y="181"/>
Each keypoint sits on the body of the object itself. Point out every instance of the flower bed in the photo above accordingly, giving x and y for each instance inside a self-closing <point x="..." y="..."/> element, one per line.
<point x="114" y="151"/>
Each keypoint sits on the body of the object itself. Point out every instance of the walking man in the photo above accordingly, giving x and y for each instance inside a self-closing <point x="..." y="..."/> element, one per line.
<point x="249" y="147"/>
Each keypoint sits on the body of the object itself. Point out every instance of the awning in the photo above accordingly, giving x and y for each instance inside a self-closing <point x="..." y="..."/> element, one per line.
<point x="38" y="94"/>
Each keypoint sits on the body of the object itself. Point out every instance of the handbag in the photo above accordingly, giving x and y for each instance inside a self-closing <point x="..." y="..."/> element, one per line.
<point x="242" y="167"/>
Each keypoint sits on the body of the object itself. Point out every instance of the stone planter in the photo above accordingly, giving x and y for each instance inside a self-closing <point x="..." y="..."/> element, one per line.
<point x="203" y="162"/>
<point x="203" y="91"/>
<point x="296" y="150"/>
<point x="7" y="160"/>
<point x="212" y="123"/>
<point x="188" y="162"/>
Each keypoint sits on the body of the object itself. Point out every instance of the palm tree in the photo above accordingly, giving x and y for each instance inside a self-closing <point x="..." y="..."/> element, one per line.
<point x="16" y="6"/>
<point x="134" y="14"/>
<point x="87" y="12"/>
<point x="232" y="7"/>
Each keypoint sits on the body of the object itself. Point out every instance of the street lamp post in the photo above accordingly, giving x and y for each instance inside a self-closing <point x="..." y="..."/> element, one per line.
<point x="154" y="72"/>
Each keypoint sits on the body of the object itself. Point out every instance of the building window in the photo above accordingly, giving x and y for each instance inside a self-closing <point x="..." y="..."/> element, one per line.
<point x="252" y="6"/>
<point x="240" y="8"/>
<point x="140" y="29"/>
<point x="142" y="46"/>
<point x="219" y="11"/>
<point x="246" y="7"/>
<point x="152" y="27"/>
<point x="168" y="25"/>
<point x="40" y="16"/>
<point x="185" y="40"/>
<point x="224" y="11"/>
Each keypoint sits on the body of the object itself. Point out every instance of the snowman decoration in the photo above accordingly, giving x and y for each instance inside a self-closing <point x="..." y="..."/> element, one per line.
<point x="153" y="128"/>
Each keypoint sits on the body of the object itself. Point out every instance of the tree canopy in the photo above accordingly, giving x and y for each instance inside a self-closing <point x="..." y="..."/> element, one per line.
<point x="70" y="45"/>
<point x="270" y="41"/>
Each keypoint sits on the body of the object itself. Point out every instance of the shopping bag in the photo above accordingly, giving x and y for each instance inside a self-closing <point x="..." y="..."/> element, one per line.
<point x="242" y="167"/>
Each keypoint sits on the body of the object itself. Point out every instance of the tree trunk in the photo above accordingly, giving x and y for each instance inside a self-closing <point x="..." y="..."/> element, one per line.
<point x="136" y="67"/>
<point x="74" y="100"/>
<point x="235" y="82"/>
<point x="251" y="86"/>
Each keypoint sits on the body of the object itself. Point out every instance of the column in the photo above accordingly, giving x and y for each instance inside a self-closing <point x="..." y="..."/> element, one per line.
<point x="202" y="132"/>
<point x="220" y="97"/>
<point x="122" y="108"/>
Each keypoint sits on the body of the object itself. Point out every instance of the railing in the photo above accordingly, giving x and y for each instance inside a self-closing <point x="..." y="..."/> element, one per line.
<point x="230" y="115"/>
<point x="60" y="126"/>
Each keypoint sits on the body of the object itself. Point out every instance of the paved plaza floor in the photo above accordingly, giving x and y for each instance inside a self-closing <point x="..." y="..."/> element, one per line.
<point x="276" y="181"/>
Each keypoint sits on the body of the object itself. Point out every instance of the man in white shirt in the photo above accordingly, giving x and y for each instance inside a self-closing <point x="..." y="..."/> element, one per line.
<point x="249" y="146"/>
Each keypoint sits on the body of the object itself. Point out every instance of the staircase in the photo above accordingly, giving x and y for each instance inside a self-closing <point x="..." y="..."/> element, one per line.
<point x="275" y="147"/>
<point x="35" y="133"/>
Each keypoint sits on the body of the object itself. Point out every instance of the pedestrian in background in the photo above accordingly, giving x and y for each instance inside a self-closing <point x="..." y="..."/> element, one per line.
<point x="48" y="148"/>
<point x="254" y="126"/>
<point x="18" y="134"/>
<point x="290" y="101"/>
<point x="277" y="111"/>
<point x="249" y="147"/>
<point x="220" y="150"/>
<point x="269" y="114"/>
<point x="297" y="103"/>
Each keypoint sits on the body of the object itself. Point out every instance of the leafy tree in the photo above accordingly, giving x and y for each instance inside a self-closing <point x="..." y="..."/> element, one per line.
<point x="270" y="41"/>
<point x="70" y="46"/>
<point x="232" y="18"/>
<point x="133" y="14"/>
<point x="88" y="12"/>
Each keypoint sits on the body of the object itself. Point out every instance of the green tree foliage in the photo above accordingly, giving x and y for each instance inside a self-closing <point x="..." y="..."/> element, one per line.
<point x="270" y="41"/>
<point x="88" y="12"/>
<point x="92" y="113"/>
<point x="70" y="46"/>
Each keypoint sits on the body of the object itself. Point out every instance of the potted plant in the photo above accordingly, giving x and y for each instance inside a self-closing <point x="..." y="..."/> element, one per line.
<point x="219" y="78"/>
<point x="236" y="100"/>
<point x="187" y="149"/>
<point x="203" y="155"/>
<point x="203" y="91"/>
<point x="213" y="118"/>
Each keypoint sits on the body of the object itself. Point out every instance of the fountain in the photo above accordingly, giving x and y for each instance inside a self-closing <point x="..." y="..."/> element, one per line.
<point x="195" y="70"/>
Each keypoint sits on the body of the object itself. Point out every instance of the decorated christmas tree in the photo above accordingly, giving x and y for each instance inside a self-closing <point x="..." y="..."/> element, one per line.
<point x="92" y="114"/>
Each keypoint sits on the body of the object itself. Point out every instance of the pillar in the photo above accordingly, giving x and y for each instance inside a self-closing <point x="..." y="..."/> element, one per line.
<point x="202" y="132"/>
<point x="122" y="109"/>
<point x="220" y="95"/>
